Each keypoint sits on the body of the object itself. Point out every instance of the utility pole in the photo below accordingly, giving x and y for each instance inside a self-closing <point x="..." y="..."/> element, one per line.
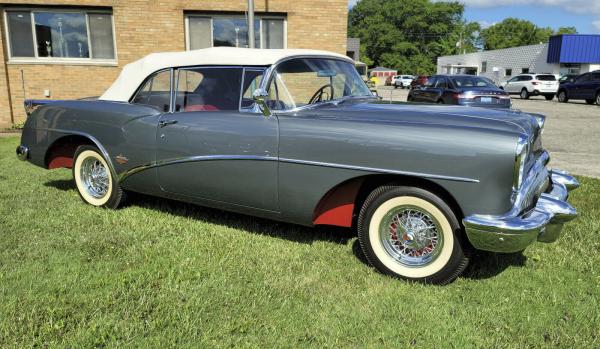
<point x="251" y="23"/>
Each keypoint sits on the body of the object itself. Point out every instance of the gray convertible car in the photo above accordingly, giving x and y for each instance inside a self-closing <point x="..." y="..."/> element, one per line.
<point x="296" y="136"/>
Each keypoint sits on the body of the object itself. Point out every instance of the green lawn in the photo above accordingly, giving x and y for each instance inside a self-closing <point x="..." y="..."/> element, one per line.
<point x="158" y="273"/>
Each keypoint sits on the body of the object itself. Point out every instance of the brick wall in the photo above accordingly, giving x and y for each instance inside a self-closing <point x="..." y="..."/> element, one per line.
<point x="146" y="26"/>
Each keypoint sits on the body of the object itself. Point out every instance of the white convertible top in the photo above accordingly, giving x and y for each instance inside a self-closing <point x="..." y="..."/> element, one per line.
<point x="133" y="74"/>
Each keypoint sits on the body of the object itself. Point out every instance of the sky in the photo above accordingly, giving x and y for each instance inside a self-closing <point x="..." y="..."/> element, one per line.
<point x="581" y="14"/>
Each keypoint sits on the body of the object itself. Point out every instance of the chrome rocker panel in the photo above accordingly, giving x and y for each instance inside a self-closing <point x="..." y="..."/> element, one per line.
<point x="512" y="233"/>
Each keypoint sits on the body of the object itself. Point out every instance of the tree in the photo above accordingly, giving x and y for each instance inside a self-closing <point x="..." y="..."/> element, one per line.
<point x="513" y="32"/>
<point x="409" y="35"/>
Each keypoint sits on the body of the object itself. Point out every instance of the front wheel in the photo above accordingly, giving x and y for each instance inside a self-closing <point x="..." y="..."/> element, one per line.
<point x="562" y="97"/>
<point x="598" y="99"/>
<point x="524" y="94"/>
<point x="411" y="234"/>
<point x="94" y="179"/>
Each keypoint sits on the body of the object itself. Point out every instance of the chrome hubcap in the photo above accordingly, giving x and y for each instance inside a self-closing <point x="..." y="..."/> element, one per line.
<point x="94" y="177"/>
<point x="411" y="236"/>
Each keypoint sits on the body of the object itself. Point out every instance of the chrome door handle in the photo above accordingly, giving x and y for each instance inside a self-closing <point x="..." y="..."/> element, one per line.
<point x="166" y="122"/>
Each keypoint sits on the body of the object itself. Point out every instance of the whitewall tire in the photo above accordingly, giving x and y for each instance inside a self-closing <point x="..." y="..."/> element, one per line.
<point x="412" y="234"/>
<point x="94" y="179"/>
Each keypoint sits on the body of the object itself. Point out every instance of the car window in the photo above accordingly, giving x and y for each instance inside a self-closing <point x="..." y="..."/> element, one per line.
<point x="595" y="76"/>
<point x="156" y="91"/>
<point x="545" y="77"/>
<point x="430" y="82"/>
<point x="526" y="78"/>
<point x="208" y="89"/>
<point x="252" y="79"/>
<point x="515" y="79"/>
<point x="472" y="81"/>
<point x="583" y="78"/>
<point x="441" y="83"/>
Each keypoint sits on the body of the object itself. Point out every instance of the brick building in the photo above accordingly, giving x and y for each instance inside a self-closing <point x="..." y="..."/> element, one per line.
<point x="63" y="49"/>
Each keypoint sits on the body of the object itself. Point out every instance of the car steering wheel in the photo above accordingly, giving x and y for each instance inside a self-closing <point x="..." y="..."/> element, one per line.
<point x="318" y="96"/>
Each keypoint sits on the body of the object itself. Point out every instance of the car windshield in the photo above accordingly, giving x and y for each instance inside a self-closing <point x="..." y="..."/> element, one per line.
<point x="546" y="77"/>
<point x="471" y="81"/>
<point x="304" y="81"/>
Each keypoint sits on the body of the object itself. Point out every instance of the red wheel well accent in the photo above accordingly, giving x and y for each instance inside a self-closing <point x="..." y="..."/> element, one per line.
<point x="338" y="205"/>
<point x="61" y="152"/>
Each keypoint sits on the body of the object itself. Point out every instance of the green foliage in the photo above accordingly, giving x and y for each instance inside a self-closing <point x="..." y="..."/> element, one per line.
<point x="513" y="32"/>
<point x="409" y="35"/>
<point x="163" y="274"/>
<point x="17" y="125"/>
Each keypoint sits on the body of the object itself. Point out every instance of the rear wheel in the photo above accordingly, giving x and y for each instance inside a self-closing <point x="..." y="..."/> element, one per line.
<point x="411" y="234"/>
<point x="549" y="97"/>
<point x="94" y="179"/>
<point x="562" y="97"/>
<point x="524" y="94"/>
<point x="598" y="99"/>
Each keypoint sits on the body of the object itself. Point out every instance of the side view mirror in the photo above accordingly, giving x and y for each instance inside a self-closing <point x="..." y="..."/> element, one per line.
<point x="260" y="97"/>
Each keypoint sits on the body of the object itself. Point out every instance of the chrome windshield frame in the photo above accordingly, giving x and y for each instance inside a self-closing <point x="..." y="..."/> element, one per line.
<point x="270" y="74"/>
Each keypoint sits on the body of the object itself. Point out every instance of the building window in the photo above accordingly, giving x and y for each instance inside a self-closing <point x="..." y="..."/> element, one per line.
<point x="570" y="68"/>
<point x="484" y="66"/>
<point x="232" y="30"/>
<point x="508" y="72"/>
<point x="60" y="35"/>
<point x="525" y="71"/>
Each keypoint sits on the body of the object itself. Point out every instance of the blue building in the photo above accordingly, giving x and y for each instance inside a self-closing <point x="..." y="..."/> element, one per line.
<point x="563" y="54"/>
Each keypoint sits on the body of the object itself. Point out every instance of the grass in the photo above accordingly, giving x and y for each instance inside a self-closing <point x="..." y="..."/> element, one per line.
<point x="159" y="273"/>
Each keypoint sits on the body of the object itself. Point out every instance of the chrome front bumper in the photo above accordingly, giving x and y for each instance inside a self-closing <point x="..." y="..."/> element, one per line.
<point x="514" y="232"/>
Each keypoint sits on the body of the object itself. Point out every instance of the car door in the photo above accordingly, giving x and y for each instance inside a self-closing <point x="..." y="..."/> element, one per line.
<point x="422" y="93"/>
<point x="578" y="90"/>
<point x="513" y="85"/>
<point x="212" y="145"/>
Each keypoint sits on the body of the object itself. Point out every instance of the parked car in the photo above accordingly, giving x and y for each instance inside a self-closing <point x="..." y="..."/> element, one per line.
<point x="419" y="81"/>
<point x="527" y="85"/>
<point x="585" y="86"/>
<point x="403" y="81"/>
<point x="296" y="136"/>
<point x="468" y="90"/>
<point x="567" y="78"/>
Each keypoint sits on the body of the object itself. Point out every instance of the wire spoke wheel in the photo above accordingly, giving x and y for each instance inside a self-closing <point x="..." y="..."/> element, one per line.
<point x="411" y="236"/>
<point x="95" y="177"/>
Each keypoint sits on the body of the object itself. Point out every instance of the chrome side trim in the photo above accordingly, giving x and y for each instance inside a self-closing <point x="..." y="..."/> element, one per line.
<point x="378" y="170"/>
<point x="125" y="174"/>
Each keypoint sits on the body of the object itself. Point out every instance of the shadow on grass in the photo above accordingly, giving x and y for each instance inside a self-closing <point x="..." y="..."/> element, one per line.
<point x="61" y="184"/>
<point x="483" y="265"/>
<point x="251" y="224"/>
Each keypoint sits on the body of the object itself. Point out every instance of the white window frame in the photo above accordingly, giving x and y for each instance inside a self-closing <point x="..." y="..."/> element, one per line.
<point x="59" y="60"/>
<point x="225" y="15"/>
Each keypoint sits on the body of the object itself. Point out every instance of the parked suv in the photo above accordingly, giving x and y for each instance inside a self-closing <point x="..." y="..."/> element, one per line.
<point x="585" y="86"/>
<point x="527" y="85"/>
<point x="403" y="81"/>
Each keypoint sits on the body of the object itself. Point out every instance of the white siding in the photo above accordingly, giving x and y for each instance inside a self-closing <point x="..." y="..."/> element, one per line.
<point x="532" y="57"/>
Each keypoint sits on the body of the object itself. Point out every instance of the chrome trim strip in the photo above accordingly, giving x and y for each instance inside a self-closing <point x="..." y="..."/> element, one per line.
<point x="378" y="170"/>
<point x="125" y="174"/>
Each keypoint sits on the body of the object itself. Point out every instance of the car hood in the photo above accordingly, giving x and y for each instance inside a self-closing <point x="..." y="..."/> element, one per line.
<point x="390" y="113"/>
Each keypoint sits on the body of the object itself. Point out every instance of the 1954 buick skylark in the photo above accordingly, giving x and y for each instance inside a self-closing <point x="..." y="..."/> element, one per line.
<point x="296" y="136"/>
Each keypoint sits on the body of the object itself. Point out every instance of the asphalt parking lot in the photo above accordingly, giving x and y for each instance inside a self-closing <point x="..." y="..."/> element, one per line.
<point x="571" y="135"/>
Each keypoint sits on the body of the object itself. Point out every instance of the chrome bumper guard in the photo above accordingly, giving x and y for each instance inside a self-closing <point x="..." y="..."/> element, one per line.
<point x="22" y="152"/>
<point x="513" y="233"/>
